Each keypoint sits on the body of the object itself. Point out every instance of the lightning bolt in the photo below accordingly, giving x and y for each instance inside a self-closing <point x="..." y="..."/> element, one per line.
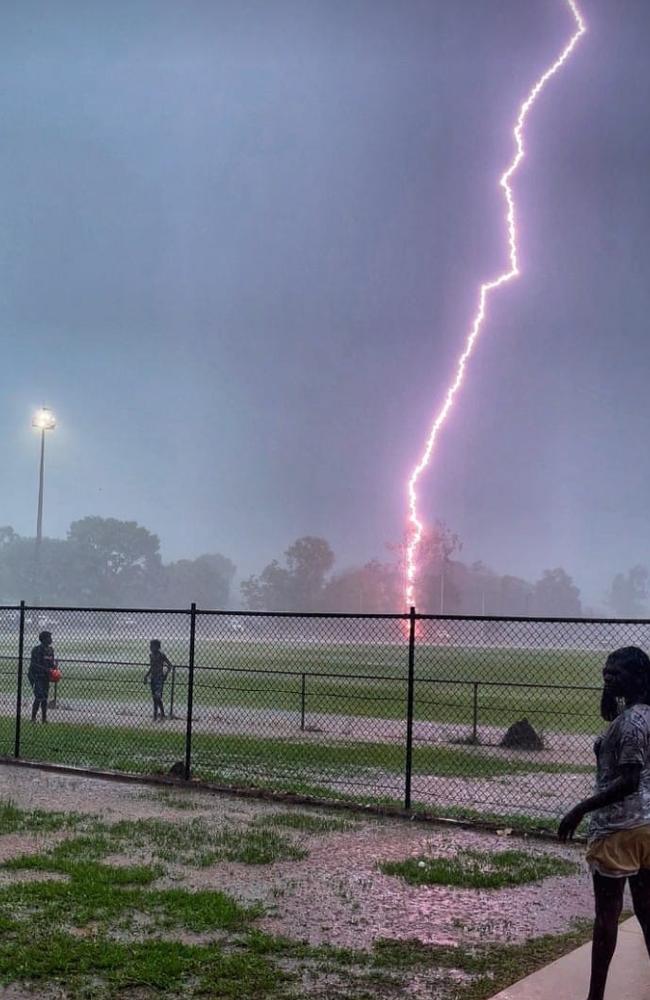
<point x="415" y="524"/>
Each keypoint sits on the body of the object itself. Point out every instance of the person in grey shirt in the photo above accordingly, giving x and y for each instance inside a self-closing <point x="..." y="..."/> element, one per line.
<point x="159" y="667"/>
<point x="619" y="828"/>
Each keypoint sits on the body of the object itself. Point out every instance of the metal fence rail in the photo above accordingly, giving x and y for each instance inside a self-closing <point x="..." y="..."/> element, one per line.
<point x="408" y="709"/>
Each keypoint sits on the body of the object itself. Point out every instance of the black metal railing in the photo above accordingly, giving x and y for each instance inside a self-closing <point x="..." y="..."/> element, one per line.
<point x="408" y="709"/>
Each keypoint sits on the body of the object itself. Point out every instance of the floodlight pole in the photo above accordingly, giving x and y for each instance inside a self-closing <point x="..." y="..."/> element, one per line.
<point x="39" y="517"/>
<point x="43" y="420"/>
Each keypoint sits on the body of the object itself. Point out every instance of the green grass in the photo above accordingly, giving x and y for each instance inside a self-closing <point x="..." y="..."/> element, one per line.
<point x="238" y="758"/>
<point x="106" y="895"/>
<point x="101" y="968"/>
<point x="199" y="844"/>
<point x="171" y="799"/>
<point x="451" y="700"/>
<point x="470" y="869"/>
<point x="16" y="820"/>
<point x="249" y="968"/>
<point x="195" y="844"/>
<point x="359" y="773"/>
<point x="350" y="771"/>
<point x="105" y="930"/>
<point x="493" y="967"/>
<point x="305" y="822"/>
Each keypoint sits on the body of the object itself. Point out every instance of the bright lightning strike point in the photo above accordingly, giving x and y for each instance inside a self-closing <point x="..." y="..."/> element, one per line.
<point x="415" y="525"/>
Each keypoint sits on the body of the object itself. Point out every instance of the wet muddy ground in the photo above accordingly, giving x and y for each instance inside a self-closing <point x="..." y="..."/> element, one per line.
<point x="336" y="894"/>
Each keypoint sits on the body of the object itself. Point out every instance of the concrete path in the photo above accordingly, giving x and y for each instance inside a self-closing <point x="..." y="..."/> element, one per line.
<point x="568" y="978"/>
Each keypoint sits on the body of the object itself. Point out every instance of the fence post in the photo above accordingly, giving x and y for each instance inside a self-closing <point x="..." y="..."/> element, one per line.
<point x="475" y="714"/>
<point x="303" y="698"/>
<point x="190" y="695"/>
<point x="409" y="711"/>
<point x="19" y="679"/>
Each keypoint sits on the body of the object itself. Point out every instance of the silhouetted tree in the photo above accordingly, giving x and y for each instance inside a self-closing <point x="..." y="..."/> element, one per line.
<point x="556" y="595"/>
<point x="206" y="580"/>
<point x="122" y="559"/>
<point x="438" y="587"/>
<point x="516" y="596"/>
<point x="7" y="535"/>
<point x="375" y="588"/>
<point x="628" y="593"/>
<point x="296" y="586"/>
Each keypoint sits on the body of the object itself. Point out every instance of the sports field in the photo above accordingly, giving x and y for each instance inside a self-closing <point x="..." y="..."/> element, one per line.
<point x="556" y="689"/>
<point x="327" y="718"/>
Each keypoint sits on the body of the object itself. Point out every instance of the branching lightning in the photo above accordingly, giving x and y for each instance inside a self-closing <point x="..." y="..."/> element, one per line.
<point x="415" y="524"/>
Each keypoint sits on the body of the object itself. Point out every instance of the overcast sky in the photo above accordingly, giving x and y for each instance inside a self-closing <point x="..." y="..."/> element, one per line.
<point x="240" y="243"/>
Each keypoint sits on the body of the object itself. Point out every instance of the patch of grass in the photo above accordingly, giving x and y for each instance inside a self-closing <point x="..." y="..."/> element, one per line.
<point x="195" y="843"/>
<point x="238" y="759"/>
<point x="78" y="858"/>
<point x="306" y="822"/>
<point x="16" y="820"/>
<point x="470" y="869"/>
<point x="103" y="894"/>
<point x="101" y="968"/>
<point x="199" y="844"/>
<point x="177" y="800"/>
<point x="488" y="968"/>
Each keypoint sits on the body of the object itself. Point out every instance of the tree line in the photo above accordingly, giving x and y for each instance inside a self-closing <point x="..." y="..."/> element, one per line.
<point x="105" y="562"/>
<point x="305" y="580"/>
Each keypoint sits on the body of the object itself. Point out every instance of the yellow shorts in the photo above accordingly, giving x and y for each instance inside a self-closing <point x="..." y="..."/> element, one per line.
<point x="621" y="854"/>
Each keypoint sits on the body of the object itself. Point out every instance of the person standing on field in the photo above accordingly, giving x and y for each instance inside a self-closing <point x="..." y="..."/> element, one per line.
<point x="159" y="667"/>
<point x="41" y="663"/>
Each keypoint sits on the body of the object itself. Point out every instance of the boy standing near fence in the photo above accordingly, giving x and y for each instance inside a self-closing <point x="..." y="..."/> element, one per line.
<point x="159" y="667"/>
<point x="41" y="665"/>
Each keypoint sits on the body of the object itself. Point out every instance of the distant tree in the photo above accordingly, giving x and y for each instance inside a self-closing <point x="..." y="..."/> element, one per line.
<point x="375" y="588"/>
<point x="8" y="586"/>
<point x="628" y="593"/>
<point x="516" y="596"/>
<point x="296" y="586"/>
<point x="270" y="591"/>
<point x="439" y="591"/>
<point x="59" y="578"/>
<point x="477" y="587"/>
<point x="206" y="580"/>
<point x="121" y="557"/>
<point x="556" y="595"/>
<point x="7" y="535"/>
<point x="436" y="588"/>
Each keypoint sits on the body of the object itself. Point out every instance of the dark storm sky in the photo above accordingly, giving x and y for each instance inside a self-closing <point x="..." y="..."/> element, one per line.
<point x="240" y="245"/>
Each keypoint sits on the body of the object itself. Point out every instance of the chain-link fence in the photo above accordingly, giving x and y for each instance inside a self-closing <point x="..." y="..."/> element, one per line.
<point x="455" y="716"/>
